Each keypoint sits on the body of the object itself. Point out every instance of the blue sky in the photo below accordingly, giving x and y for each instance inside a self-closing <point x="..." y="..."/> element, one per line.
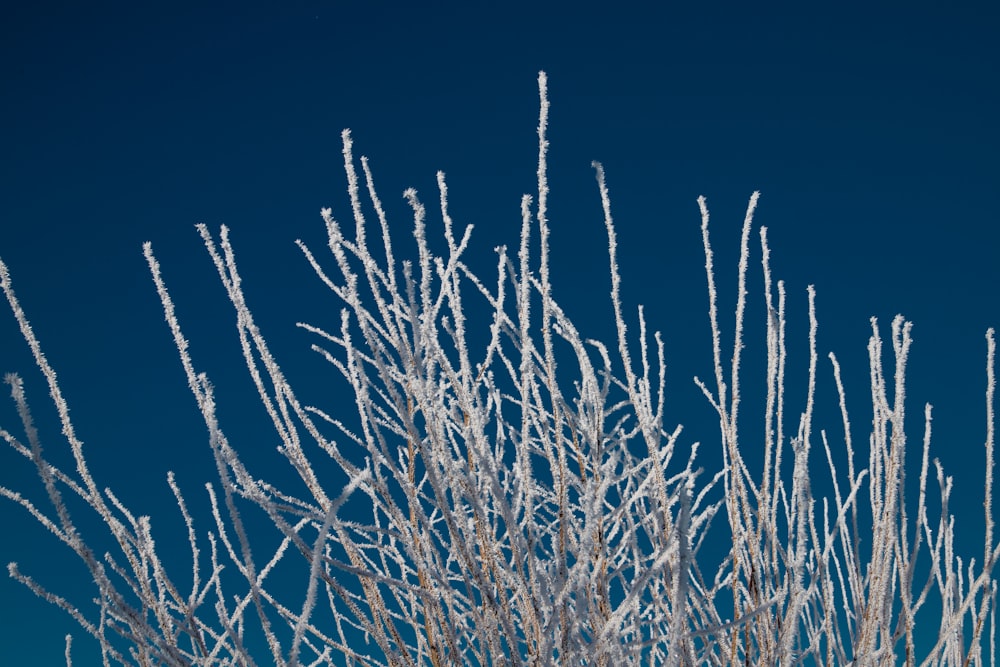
<point x="870" y="129"/>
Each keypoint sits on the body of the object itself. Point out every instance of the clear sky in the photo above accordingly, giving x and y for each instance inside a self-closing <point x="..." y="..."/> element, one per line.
<point x="870" y="128"/>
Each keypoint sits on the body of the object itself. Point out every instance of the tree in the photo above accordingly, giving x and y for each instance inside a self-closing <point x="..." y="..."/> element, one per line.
<point x="525" y="502"/>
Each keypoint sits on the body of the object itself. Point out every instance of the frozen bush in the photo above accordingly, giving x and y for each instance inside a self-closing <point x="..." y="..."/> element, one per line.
<point x="521" y="512"/>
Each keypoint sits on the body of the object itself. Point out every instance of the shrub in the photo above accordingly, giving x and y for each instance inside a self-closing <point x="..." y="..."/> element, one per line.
<point x="519" y="510"/>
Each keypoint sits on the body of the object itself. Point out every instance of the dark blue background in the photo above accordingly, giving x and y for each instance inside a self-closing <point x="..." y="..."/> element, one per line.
<point x="870" y="128"/>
